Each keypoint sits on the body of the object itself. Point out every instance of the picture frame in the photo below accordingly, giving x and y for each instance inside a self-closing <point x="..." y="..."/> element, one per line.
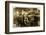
<point x="10" y="24"/>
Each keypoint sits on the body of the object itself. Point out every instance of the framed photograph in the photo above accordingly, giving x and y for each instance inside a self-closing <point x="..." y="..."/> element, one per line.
<point x="24" y="17"/>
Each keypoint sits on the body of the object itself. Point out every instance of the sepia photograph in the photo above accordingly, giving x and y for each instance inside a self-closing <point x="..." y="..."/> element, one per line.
<point x="26" y="17"/>
<point x="23" y="17"/>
